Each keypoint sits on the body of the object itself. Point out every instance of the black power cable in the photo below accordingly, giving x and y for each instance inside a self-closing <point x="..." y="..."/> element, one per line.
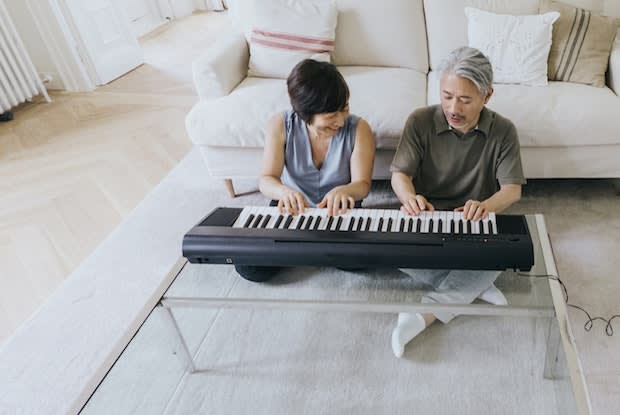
<point x="609" y="330"/>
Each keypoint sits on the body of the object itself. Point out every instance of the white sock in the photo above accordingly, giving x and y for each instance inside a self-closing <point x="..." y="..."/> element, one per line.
<point x="493" y="295"/>
<point x="408" y="326"/>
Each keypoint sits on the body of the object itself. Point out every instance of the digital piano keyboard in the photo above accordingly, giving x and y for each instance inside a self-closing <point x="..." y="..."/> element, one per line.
<point x="360" y="238"/>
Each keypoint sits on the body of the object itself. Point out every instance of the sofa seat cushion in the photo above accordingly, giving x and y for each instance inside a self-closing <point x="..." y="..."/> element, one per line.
<point x="561" y="114"/>
<point x="382" y="96"/>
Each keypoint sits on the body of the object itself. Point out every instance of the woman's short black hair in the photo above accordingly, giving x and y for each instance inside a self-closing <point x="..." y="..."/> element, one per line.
<point x="316" y="87"/>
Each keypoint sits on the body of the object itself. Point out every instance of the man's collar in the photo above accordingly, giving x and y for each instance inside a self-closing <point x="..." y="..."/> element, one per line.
<point x="441" y="124"/>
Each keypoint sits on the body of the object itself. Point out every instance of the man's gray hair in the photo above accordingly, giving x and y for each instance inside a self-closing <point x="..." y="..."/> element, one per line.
<point x="471" y="64"/>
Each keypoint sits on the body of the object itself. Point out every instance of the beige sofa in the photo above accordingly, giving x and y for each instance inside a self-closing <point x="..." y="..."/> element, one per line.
<point x="388" y="52"/>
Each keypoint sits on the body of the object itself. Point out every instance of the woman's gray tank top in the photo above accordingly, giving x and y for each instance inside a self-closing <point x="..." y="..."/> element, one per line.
<point x="301" y="174"/>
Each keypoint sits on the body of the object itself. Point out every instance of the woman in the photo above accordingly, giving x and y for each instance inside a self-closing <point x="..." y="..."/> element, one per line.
<point x="316" y="154"/>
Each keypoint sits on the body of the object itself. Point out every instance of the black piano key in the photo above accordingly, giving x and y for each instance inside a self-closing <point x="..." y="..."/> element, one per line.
<point x="468" y="226"/>
<point x="418" y="224"/>
<point x="300" y="222"/>
<point x="317" y="222"/>
<point x="401" y="226"/>
<point x="451" y="226"/>
<point x="248" y="221"/>
<point x="256" y="221"/>
<point x="265" y="221"/>
<point x="338" y="223"/>
<point x="278" y="221"/>
<point x="460" y="222"/>
<point x="351" y="224"/>
<point x="440" y="226"/>
<point x="367" y="228"/>
<point x="288" y="221"/>
<point x="380" y="227"/>
<point x="430" y="225"/>
<point x="490" y="227"/>
<point x="330" y="221"/>
<point x="410" y="225"/>
<point x="389" y="225"/>
<point x="360" y="222"/>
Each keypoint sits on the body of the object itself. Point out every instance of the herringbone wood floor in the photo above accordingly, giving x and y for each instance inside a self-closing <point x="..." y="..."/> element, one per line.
<point x="71" y="170"/>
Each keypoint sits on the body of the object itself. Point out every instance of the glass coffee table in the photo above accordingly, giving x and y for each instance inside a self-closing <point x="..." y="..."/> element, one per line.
<point x="317" y="340"/>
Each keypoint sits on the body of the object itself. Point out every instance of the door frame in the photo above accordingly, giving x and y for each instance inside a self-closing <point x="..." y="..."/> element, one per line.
<point x="61" y="41"/>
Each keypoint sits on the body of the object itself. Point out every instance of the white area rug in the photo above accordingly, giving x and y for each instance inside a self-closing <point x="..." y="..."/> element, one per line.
<point x="276" y="362"/>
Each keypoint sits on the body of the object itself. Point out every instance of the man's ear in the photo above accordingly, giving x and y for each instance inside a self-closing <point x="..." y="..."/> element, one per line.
<point x="488" y="97"/>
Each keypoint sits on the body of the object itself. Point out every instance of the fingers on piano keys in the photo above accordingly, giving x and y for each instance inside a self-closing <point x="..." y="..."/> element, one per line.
<point x="366" y="220"/>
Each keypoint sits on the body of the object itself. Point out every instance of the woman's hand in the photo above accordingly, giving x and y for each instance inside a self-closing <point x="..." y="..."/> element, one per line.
<point x="337" y="201"/>
<point x="474" y="210"/>
<point x="293" y="202"/>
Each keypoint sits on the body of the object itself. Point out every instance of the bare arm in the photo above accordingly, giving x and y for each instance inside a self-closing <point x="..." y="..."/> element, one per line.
<point x="504" y="197"/>
<point x="501" y="200"/>
<point x="338" y="199"/>
<point x="273" y="163"/>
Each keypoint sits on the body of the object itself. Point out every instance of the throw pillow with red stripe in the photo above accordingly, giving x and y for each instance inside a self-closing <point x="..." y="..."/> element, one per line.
<point x="288" y="31"/>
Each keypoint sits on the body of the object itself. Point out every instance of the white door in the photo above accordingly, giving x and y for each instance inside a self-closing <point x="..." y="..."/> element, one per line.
<point x="108" y="42"/>
<point x="143" y="15"/>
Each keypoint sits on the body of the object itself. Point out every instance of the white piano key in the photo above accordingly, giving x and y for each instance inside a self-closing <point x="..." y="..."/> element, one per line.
<point x="384" y="225"/>
<point x="485" y="226"/>
<point x="284" y="219"/>
<point x="323" y="222"/>
<point x="436" y="219"/>
<point x="364" y="219"/>
<point x="493" y="223"/>
<point x="296" y="219"/>
<point x="475" y="227"/>
<point x="400" y="217"/>
<point x="374" y="221"/>
<point x="424" y="217"/>
<point x="394" y="216"/>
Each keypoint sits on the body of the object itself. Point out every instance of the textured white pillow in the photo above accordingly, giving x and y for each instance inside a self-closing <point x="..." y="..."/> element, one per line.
<point x="517" y="46"/>
<point x="288" y="31"/>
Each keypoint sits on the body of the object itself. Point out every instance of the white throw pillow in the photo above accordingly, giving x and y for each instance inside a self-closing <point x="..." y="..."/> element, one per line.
<point x="517" y="46"/>
<point x="288" y="31"/>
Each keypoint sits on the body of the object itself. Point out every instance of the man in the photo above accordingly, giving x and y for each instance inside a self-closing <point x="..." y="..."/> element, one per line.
<point x="458" y="155"/>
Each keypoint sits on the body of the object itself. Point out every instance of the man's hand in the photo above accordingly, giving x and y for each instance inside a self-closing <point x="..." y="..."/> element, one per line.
<point x="293" y="203"/>
<point x="415" y="204"/>
<point x="474" y="210"/>
<point x="337" y="201"/>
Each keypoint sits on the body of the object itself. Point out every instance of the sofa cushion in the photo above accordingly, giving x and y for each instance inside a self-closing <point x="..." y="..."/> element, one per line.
<point x="286" y="32"/>
<point x="238" y="119"/>
<point x="582" y="43"/>
<point x="381" y="33"/>
<point x="382" y="96"/>
<point x="446" y="23"/>
<point x="561" y="114"/>
<point x="385" y="97"/>
<point x="517" y="46"/>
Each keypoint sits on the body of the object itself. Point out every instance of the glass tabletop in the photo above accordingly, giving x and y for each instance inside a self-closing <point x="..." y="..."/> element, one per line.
<point x="378" y="289"/>
<point x="316" y="340"/>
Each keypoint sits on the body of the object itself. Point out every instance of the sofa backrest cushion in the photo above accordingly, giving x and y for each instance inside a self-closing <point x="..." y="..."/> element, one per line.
<point x="447" y="25"/>
<point x="381" y="33"/>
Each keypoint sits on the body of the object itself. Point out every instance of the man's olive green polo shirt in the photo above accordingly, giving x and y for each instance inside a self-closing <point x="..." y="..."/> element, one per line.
<point x="449" y="167"/>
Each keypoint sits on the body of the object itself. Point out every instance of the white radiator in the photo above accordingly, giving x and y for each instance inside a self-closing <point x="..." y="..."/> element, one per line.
<point x="19" y="81"/>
